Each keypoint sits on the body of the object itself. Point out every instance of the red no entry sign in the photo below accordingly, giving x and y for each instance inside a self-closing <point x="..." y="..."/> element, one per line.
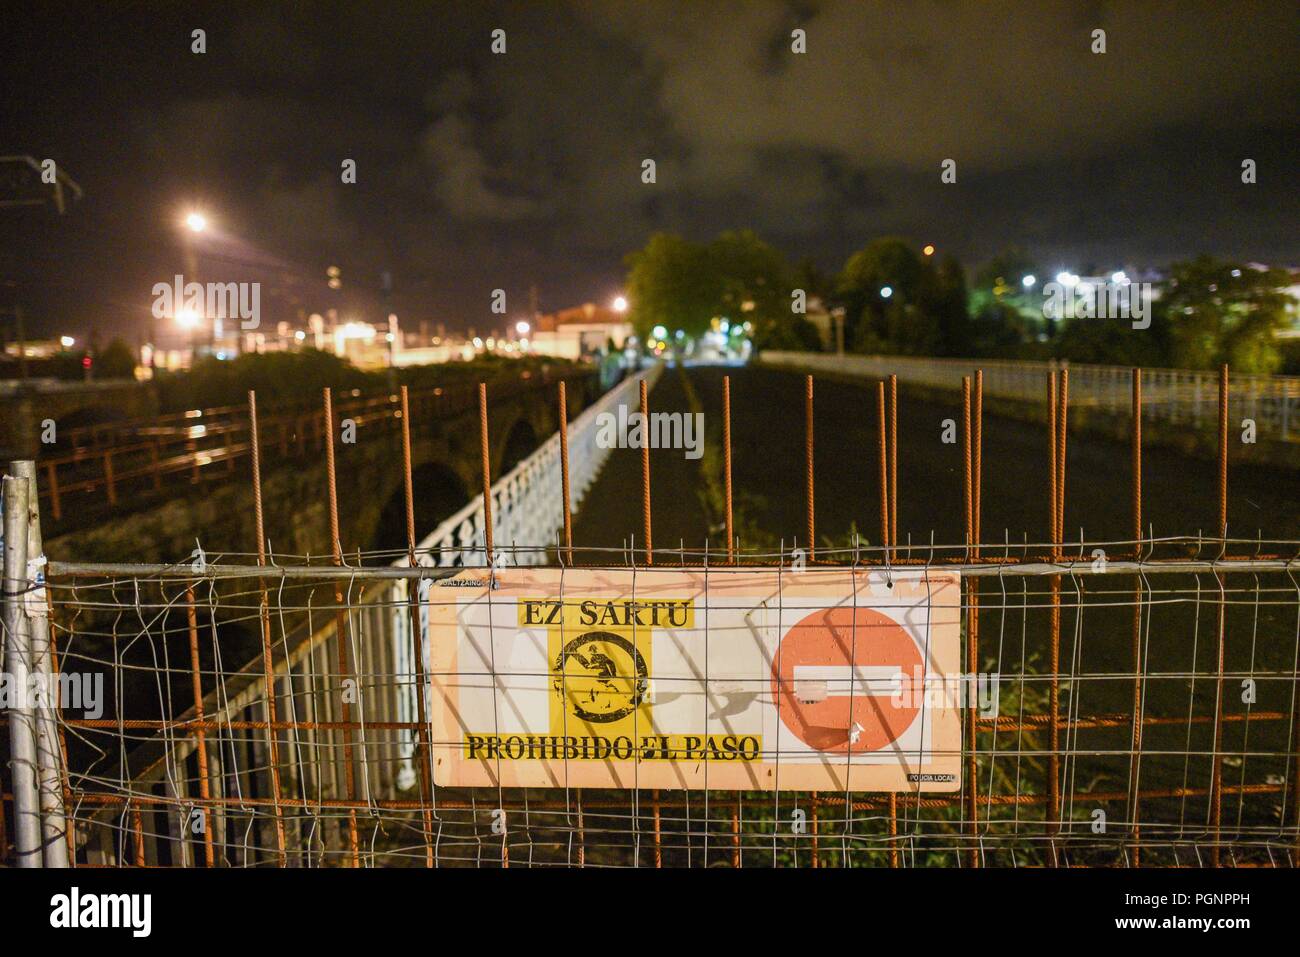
<point x="844" y="680"/>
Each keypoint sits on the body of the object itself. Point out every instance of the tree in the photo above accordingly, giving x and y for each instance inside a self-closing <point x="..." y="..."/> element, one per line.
<point x="1222" y="312"/>
<point x="116" y="361"/>
<point x="949" y="303"/>
<point x="1113" y="341"/>
<point x="998" y="289"/>
<point x="670" y="283"/>
<point x="889" y="293"/>
<point x="275" y="376"/>
<point x="756" y="284"/>
<point x="999" y="330"/>
<point x="1004" y="274"/>
<point x="678" y="284"/>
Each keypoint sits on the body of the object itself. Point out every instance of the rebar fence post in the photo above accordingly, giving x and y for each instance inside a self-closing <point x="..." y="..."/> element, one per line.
<point x="341" y="632"/>
<point x="1135" y="766"/>
<point x="1216" y="757"/>
<point x="264" y="614"/>
<point x="885" y="544"/>
<point x="726" y="468"/>
<point x="423" y="749"/>
<point x="17" y="659"/>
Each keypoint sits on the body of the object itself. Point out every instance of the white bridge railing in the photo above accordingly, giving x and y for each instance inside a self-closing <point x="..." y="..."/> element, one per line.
<point x="1177" y="396"/>
<point x="527" y="503"/>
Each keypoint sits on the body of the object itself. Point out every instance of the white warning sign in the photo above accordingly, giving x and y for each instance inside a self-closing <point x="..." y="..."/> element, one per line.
<point x="821" y="679"/>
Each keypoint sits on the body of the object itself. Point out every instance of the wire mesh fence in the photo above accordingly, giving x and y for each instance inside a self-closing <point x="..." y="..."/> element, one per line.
<point x="1165" y="734"/>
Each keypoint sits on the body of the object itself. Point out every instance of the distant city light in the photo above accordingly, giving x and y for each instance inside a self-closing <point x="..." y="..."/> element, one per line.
<point x="196" y="222"/>
<point x="1028" y="281"/>
<point x="522" y="327"/>
<point x="187" y="318"/>
<point x="1067" y="279"/>
<point x="928" y="250"/>
<point x="300" y="335"/>
<point x="659" y="332"/>
<point x="67" y="341"/>
<point x="620" y="304"/>
<point x="478" y="343"/>
<point x="355" y="330"/>
<point x="886" y="292"/>
<point x="1118" y="276"/>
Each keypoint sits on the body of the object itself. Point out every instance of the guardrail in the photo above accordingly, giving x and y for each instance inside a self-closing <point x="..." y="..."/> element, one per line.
<point x="1176" y="396"/>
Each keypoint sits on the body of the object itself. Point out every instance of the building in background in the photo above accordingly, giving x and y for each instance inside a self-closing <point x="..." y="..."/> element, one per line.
<point x="581" y="331"/>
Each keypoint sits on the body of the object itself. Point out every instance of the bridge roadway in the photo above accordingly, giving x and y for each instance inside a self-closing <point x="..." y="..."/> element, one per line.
<point x="1179" y="492"/>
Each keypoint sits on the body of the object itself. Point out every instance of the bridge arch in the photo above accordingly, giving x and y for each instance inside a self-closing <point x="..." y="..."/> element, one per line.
<point x="439" y="494"/>
<point x="521" y="442"/>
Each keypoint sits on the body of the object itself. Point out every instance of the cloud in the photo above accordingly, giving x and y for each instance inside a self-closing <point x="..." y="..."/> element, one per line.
<point x="462" y="177"/>
<point x="994" y="85"/>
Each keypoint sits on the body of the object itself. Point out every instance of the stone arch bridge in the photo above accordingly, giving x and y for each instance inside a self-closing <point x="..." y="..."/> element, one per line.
<point x="153" y="521"/>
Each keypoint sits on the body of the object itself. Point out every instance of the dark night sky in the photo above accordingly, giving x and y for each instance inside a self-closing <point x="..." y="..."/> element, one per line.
<point x="478" y="171"/>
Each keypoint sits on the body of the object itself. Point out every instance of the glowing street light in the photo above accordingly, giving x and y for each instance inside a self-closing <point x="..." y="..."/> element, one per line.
<point x="522" y="327"/>
<point x="620" y="304"/>
<point x="67" y="341"/>
<point x="928" y="250"/>
<point x="659" y="332"/>
<point x="196" y="222"/>
<point x="886" y="292"/>
<point x="1067" y="279"/>
<point x="187" y="318"/>
<point x="1028" y="281"/>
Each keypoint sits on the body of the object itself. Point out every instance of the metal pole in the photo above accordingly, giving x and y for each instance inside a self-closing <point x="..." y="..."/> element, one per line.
<point x="49" y="758"/>
<point x="22" y="723"/>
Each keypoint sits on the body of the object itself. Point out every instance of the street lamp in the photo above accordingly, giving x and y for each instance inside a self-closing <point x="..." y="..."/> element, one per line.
<point x="196" y="224"/>
<point x="620" y="304"/>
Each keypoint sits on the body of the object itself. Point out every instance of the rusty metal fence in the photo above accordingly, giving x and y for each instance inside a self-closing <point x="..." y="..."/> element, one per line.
<point x="271" y="712"/>
<point x="1166" y="756"/>
<point x="109" y="461"/>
